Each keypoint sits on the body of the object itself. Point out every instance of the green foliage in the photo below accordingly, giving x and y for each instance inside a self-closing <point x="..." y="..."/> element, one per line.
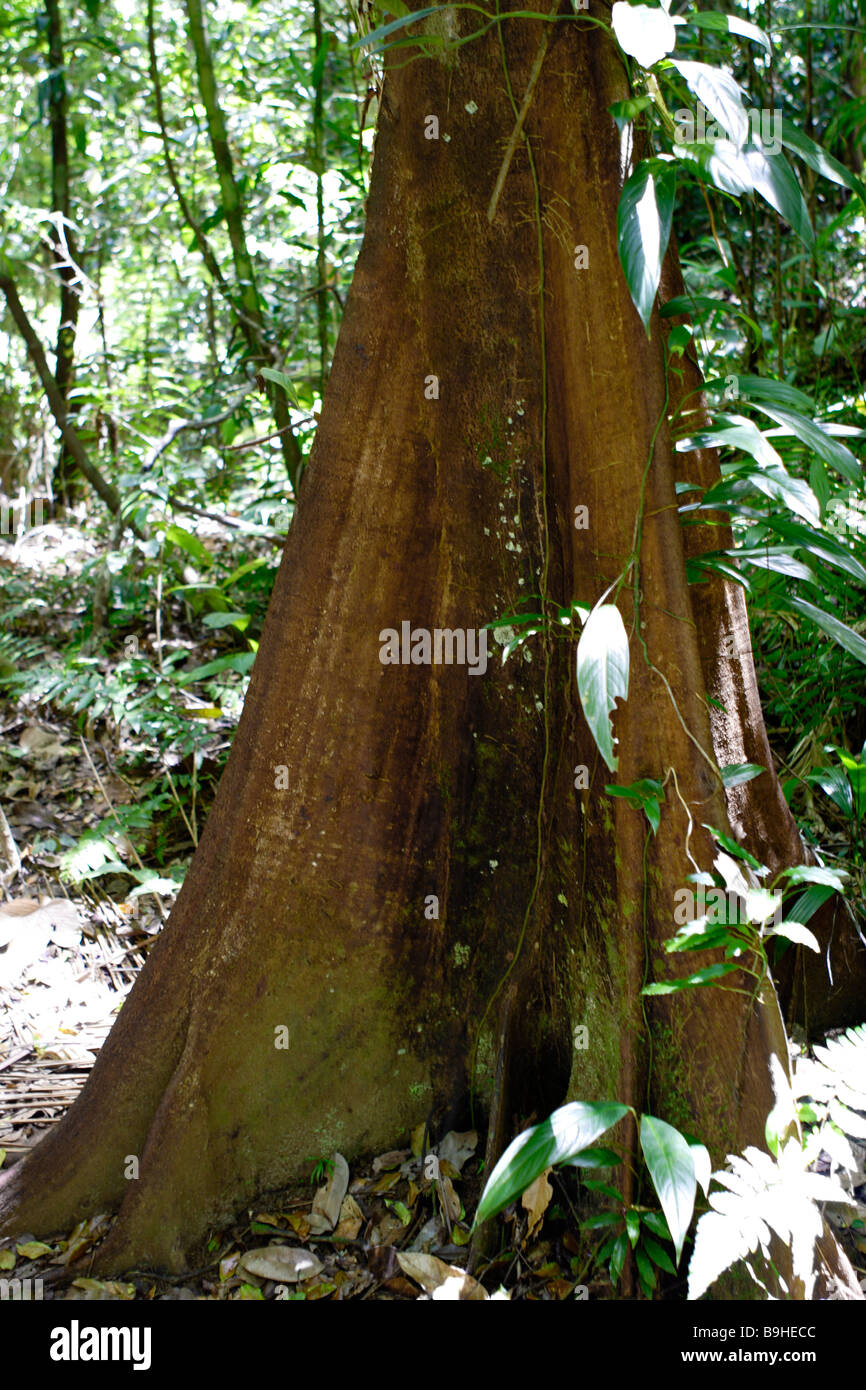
<point x="675" y="1164"/>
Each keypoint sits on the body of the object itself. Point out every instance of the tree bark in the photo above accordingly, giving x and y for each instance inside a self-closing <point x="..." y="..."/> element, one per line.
<point x="482" y="388"/>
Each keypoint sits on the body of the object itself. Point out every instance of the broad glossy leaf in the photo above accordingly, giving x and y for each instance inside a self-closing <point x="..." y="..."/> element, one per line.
<point x="735" y="774"/>
<point x="752" y="170"/>
<point x="795" y="931"/>
<point x="839" y="631"/>
<point x="818" y="159"/>
<point x="595" y="1158"/>
<point x="710" y="975"/>
<point x="374" y="39"/>
<point x="644" y="217"/>
<point x="817" y="873"/>
<point x="720" y="94"/>
<point x="644" y="32"/>
<point x="725" y="23"/>
<point x="602" y="674"/>
<point x="816" y="437"/>
<point x="672" y="1169"/>
<point x="557" y="1140"/>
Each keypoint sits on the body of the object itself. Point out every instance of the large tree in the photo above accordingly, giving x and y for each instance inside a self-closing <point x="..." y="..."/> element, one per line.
<point x="399" y="868"/>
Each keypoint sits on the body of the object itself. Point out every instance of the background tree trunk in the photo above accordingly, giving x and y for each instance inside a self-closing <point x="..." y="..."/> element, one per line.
<point x="249" y="308"/>
<point x="63" y="241"/>
<point x="482" y="388"/>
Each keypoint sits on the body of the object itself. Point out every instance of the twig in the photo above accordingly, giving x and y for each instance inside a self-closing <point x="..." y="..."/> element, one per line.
<point x="204" y="423"/>
<point x="262" y="439"/>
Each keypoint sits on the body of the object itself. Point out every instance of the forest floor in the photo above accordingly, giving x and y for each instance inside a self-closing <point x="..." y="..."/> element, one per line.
<point x="102" y="815"/>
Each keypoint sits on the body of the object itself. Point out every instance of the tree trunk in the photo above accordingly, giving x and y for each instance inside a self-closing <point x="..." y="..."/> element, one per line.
<point x="482" y="388"/>
<point x="62" y="239"/>
<point x="249" y="311"/>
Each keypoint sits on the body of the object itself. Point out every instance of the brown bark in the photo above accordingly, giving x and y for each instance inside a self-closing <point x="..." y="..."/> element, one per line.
<point x="306" y="907"/>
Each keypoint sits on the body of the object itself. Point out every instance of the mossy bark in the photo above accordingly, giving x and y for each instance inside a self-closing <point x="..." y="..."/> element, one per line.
<point x="483" y="386"/>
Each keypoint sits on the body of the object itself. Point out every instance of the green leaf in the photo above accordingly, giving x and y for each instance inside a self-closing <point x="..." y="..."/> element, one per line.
<point x="657" y="1224"/>
<point x="839" y="631"/>
<point x="672" y="1169"/>
<point x="374" y="39"/>
<point x="625" y="111"/>
<point x="720" y="94"/>
<point x="603" y="1218"/>
<point x="644" y="32"/>
<point x="817" y="873"/>
<point x="632" y="1226"/>
<point x="280" y="379"/>
<point x="753" y="170"/>
<point x="805" y="907"/>
<point x="595" y="1158"/>
<point x="240" y="661"/>
<point x="239" y="620"/>
<point x="818" y="159"/>
<point x="815" y="436"/>
<point x="643" y="221"/>
<point x="796" y="932"/>
<point x="658" y="1255"/>
<point x="722" y="838"/>
<point x="708" y="976"/>
<point x="735" y="774"/>
<point x="185" y="540"/>
<point x="725" y="23"/>
<point x="562" y="1135"/>
<point x="645" y="1270"/>
<point x="824" y="548"/>
<point x="602" y="674"/>
<point x="763" y="388"/>
<point x="617" y="1258"/>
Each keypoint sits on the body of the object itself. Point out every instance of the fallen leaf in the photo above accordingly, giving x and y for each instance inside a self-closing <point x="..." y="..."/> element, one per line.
<point x="285" y="1264"/>
<point x="432" y="1274"/>
<point x="417" y="1139"/>
<point x="450" y="1200"/>
<point x="32" y="1249"/>
<point x="299" y="1224"/>
<point x="7" y="1259"/>
<point x="386" y="1231"/>
<point x="351" y="1220"/>
<point x="535" y="1201"/>
<point x="392" y="1159"/>
<point x="457" y="1147"/>
<point x="329" y="1199"/>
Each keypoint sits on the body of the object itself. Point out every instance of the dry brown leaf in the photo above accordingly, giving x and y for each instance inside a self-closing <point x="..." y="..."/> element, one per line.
<point x="535" y="1201"/>
<point x="299" y="1223"/>
<point x="351" y="1220"/>
<point x="439" y="1279"/>
<point x="450" y="1200"/>
<point x="392" y="1159"/>
<point x="456" y="1148"/>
